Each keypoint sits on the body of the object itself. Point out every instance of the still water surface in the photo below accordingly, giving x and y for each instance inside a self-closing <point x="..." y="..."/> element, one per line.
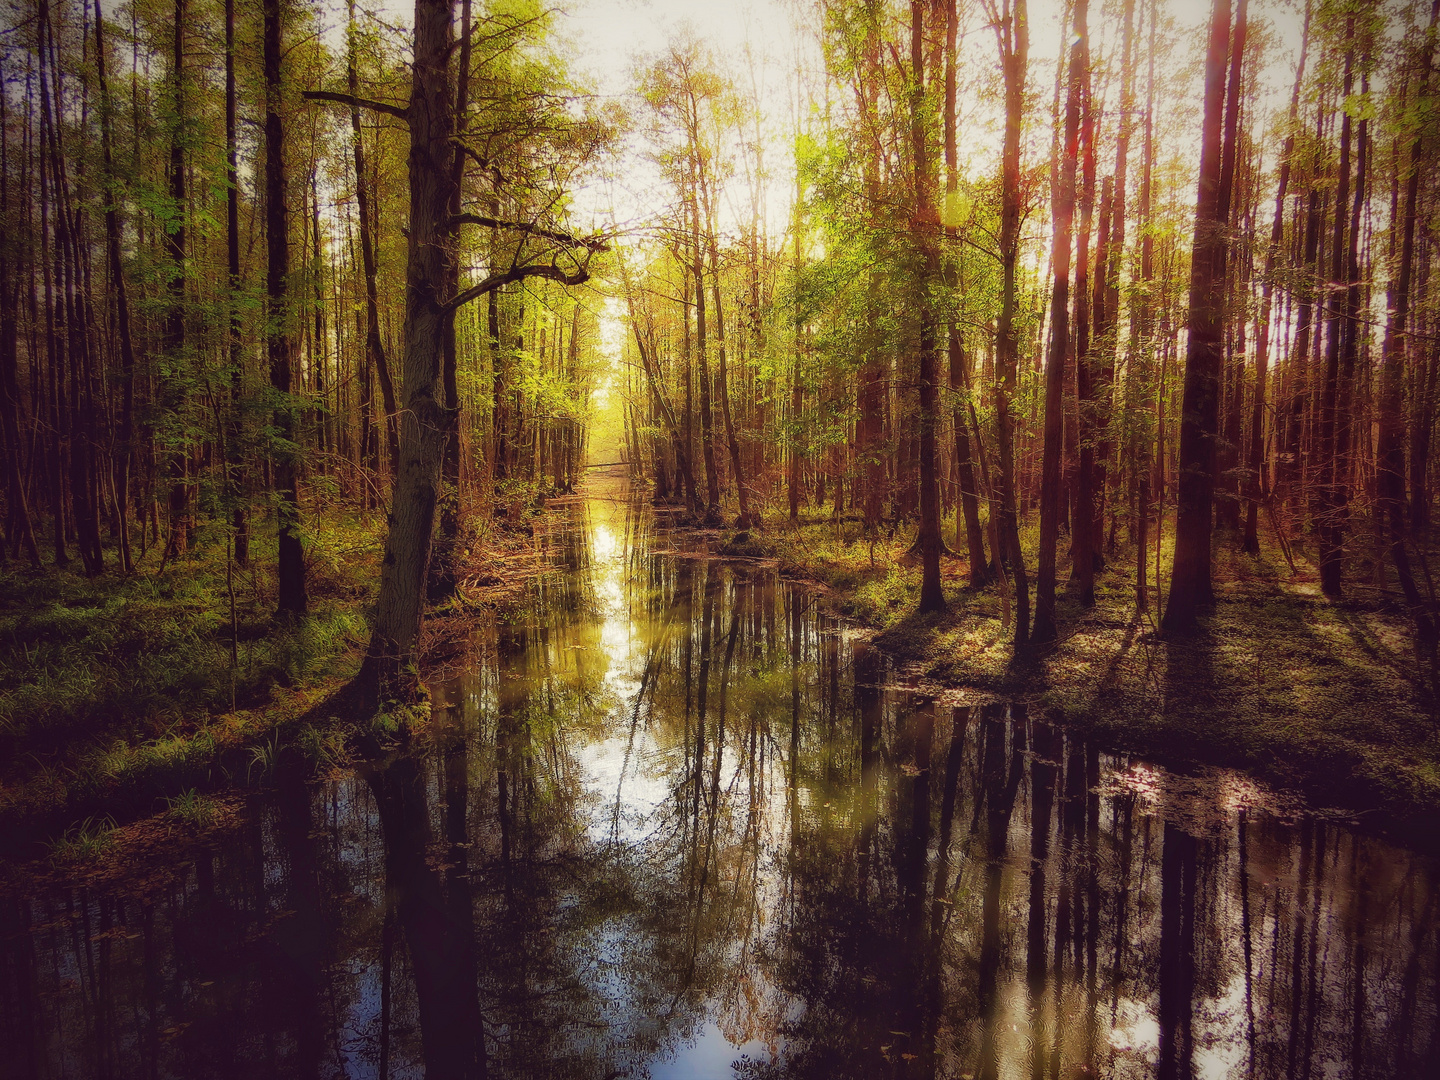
<point x="676" y="823"/>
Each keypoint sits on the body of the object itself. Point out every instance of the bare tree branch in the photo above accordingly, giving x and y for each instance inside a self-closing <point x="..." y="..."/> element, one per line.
<point x="590" y="243"/>
<point x="549" y="271"/>
<point x="400" y="112"/>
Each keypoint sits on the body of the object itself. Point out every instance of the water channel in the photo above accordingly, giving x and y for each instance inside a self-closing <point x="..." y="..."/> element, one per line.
<point x="675" y="822"/>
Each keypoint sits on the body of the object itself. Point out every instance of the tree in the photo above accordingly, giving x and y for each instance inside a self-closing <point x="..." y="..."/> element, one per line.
<point x="1190" y="582"/>
<point x="927" y="228"/>
<point x="1012" y="29"/>
<point x="278" y="345"/>
<point x="389" y="672"/>
<point x="1063" y="198"/>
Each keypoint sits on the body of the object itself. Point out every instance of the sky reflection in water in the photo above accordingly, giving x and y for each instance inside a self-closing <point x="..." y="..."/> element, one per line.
<point x="678" y="824"/>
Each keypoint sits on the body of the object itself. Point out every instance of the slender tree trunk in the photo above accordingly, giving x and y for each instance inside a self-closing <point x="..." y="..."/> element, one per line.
<point x="236" y="486"/>
<point x="1143" y="321"/>
<point x="443" y="579"/>
<point x="1190" y="581"/>
<point x="1227" y="448"/>
<point x="1391" y="455"/>
<point x="177" y="458"/>
<point x="745" y="519"/>
<point x="1328" y="510"/>
<point x="124" y="451"/>
<point x="1014" y="34"/>
<point x="374" y="345"/>
<point x="927" y="228"/>
<point x="22" y="530"/>
<point x="1063" y="201"/>
<point x="1257" y="481"/>
<point x="279" y="347"/>
<point x="969" y="507"/>
<point x="707" y="420"/>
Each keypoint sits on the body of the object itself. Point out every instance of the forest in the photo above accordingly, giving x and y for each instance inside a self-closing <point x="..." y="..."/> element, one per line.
<point x="308" y="309"/>
<point x="514" y="515"/>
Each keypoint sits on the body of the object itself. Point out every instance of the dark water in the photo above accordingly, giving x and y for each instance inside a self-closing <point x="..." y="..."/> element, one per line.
<point x="678" y="824"/>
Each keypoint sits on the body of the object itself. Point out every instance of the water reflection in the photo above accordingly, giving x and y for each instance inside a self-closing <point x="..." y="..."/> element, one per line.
<point x="677" y="823"/>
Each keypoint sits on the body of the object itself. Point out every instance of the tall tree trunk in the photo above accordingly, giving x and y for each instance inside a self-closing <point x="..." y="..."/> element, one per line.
<point x="291" y="599"/>
<point x="374" y="345"/>
<point x="237" y="488"/>
<point x="927" y="228"/>
<point x="1143" y="323"/>
<point x="21" y="528"/>
<point x="1227" y="448"/>
<point x="1063" y="201"/>
<point x="442" y="579"/>
<point x="1190" y="581"/>
<point x="969" y="507"/>
<point x="124" y="450"/>
<point x="425" y="423"/>
<point x="177" y="458"/>
<point x="707" y="418"/>
<point x="1257" y="483"/>
<point x="1014" y="34"/>
<point x="1108" y="328"/>
<point x="745" y="519"/>
<point x="1328" y="509"/>
<point x="1390" y="454"/>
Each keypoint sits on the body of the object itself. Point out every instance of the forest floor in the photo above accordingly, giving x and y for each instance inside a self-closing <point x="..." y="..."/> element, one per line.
<point x="124" y="698"/>
<point x="1325" y="697"/>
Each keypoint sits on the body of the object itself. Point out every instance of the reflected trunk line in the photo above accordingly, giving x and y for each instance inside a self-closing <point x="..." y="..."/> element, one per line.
<point x="1123" y="808"/>
<point x="999" y="797"/>
<point x="1245" y="930"/>
<point x="870" y="706"/>
<point x="714" y="800"/>
<point x="1177" y="974"/>
<point x="912" y="1003"/>
<point x="1360" y="885"/>
<point x="707" y="616"/>
<point x="1314" y="963"/>
<point x="387" y="952"/>
<point x="1092" y="899"/>
<point x="1043" y="773"/>
<point x="942" y="905"/>
<point x="648" y="679"/>
<point x="444" y="989"/>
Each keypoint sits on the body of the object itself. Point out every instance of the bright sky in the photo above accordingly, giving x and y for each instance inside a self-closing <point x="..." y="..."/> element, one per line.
<point x="757" y="42"/>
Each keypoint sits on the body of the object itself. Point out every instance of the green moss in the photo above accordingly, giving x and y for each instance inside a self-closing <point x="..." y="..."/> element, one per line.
<point x="118" y="690"/>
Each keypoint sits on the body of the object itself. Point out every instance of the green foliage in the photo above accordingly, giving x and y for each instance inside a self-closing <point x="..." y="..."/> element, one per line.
<point x="192" y="808"/>
<point x="85" y="841"/>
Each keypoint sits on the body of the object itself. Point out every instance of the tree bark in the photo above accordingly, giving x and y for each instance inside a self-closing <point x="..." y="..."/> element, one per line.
<point x="292" y="598"/>
<point x="177" y="458"/>
<point x="969" y="508"/>
<point x="1190" y="580"/>
<point x="443" y="573"/>
<point x="1391" y="454"/>
<point x="1328" y="510"/>
<point x="1257" y="486"/>
<point x="927" y="228"/>
<point x="1013" y="30"/>
<point x="125" y="436"/>
<point x="374" y="344"/>
<point x="1063" y="202"/>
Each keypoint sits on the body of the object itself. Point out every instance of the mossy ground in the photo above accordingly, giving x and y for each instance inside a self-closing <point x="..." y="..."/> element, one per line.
<point x="121" y="694"/>
<point x="1324" y="696"/>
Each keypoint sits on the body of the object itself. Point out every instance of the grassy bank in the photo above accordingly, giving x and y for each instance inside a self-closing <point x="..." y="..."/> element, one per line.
<point x="1307" y="693"/>
<point x="118" y="691"/>
<point x="120" y="695"/>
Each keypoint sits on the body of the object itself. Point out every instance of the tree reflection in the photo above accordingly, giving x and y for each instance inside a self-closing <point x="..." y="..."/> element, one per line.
<point x="675" y="817"/>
